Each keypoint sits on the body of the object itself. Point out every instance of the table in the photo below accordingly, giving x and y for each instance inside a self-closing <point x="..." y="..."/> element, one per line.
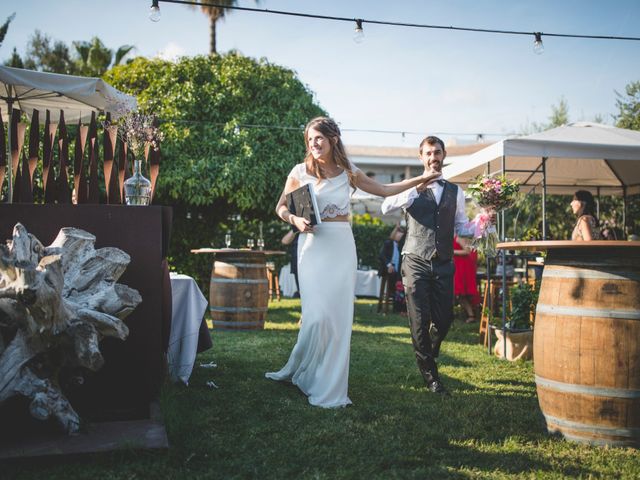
<point x="239" y="287"/>
<point x="189" y="332"/>
<point x="586" y="340"/>
<point x="367" y="282"/>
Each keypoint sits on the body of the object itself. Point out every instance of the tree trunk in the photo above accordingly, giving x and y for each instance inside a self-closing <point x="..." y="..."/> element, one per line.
<point x="212" y="36"/>
<point x="56" y="304"/>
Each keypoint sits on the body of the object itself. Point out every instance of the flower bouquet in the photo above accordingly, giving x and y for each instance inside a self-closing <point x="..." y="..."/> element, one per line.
<point x="492" y="194"/>
<point x="139" y="132"/>
<point x="137" y="129"/>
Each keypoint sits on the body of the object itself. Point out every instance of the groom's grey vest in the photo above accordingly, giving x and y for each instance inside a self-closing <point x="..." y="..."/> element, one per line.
<point x="430" y="225"/>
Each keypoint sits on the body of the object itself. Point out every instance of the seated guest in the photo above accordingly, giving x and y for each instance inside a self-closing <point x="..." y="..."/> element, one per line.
<point x="584" y="207"/>
<point x="465" y="286"/>
<point x="390" y="258"/>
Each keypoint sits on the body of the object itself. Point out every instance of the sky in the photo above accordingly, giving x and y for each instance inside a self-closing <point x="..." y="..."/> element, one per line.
<point x="418" y="81"/>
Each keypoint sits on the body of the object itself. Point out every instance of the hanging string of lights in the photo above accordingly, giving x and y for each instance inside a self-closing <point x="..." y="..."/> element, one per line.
<point x="358" y="37"/>
<point x="538" y="47"/>
<point x="478" y="135"/>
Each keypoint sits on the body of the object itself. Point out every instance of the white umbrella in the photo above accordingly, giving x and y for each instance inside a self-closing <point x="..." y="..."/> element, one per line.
<point x="564" y="159"/>
<point x="78" y="97"/>
<point x="582" y="155"/>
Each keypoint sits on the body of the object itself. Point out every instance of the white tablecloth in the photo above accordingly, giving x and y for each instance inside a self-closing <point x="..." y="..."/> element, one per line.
<point x="188" y="308"/>
<point x="367" y="282"/>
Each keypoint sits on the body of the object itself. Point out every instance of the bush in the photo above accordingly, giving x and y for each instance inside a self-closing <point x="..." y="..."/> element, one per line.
<point x="198" y="227"/>
<point x="203" y="227"/>
<point x="369" y="233"/>
<point x="232" y="125"/>
<point x="233" y="131"/>
<point x="524" y="298"/>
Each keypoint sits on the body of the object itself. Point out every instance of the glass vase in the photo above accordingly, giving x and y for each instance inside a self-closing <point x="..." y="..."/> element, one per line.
<point x="137" y="188"/>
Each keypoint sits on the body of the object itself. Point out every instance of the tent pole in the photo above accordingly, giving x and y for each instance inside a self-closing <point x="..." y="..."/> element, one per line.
<point x="9" y="159"/>
<point x="544" y="198"/>
<point x="624" y="212"/>
<point x="505" y="290"/>
<point x="598" y="202"/>
<point x="502" y="213"/>
<point x="488" y="287"/>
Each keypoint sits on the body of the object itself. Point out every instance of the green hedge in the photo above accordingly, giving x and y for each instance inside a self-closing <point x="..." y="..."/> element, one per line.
<point x="197" y="227"/>
<point x="202" y="227"/>
<point x="369" y="240"/>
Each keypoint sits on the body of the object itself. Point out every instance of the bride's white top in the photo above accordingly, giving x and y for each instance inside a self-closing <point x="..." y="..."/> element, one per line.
<point x="332" y="194"/>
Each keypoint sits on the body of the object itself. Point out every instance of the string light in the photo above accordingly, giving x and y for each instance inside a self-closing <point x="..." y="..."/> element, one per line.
<point x="358" y="34"/>
<point x="395" y="24"/>
<point x="538" y="47"/>
<point x="403" y="133"/>
<point x="154" y="11"/>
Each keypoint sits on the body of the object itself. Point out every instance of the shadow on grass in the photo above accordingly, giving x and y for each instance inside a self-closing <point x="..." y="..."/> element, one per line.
<point x="251" y="427"/>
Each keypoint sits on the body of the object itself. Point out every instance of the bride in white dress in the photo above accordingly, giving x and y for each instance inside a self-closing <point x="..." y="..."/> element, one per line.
<point x="327" y="265"/>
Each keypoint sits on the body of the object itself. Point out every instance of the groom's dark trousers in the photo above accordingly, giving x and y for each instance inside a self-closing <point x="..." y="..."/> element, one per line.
<point x="427" y="274"/>
<point x="428" y="288"/>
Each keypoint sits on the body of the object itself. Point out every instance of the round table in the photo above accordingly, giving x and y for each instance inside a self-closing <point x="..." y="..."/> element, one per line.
<point x="239" y="287"/>
<point x="586" y="346"/>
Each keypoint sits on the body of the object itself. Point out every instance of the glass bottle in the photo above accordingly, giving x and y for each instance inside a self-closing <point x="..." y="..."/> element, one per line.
<point x="137" y="188"/>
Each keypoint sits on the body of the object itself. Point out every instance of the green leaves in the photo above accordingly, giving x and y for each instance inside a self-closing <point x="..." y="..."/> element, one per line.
<point x="232" y="127"/>
<point x="629" y="107"/>
<point x="524" y="298"/>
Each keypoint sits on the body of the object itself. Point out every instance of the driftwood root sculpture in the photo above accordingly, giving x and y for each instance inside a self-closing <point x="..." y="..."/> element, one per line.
<point x="56" y="304"/>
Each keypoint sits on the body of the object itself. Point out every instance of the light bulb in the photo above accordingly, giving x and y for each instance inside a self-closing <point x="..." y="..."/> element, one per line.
<point x="358" y="34"/>
<point x="538" y="47"/>
<point x="154" y="11"/>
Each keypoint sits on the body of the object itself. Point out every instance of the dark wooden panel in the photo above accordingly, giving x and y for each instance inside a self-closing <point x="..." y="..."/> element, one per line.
<point x="134" y="369"/>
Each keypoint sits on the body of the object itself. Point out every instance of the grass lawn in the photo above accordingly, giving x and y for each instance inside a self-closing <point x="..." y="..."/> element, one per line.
<point x="250" y="427"/>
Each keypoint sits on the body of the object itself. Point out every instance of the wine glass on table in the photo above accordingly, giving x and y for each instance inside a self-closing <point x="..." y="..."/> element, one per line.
<point x="227" y="240"/>
<point x="249" y="243"/>
<point x="260" y="243"/>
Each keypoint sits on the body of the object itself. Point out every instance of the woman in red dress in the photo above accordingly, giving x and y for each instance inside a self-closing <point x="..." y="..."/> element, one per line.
<point x="465" y="286"/>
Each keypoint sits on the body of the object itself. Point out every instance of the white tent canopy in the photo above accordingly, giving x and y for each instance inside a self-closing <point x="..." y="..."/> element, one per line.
<point x="590" y="156"/>
<point x="77" y="96"/>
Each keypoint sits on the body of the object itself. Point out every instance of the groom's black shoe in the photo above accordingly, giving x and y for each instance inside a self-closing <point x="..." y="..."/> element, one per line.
<point x="436" y="386"/>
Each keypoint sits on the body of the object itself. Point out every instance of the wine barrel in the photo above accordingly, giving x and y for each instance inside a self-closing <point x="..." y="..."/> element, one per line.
<point x="587" y="345"/>
<point x="239" y="291"/>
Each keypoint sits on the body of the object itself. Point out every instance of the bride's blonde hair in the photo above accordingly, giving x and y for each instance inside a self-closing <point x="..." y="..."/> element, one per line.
<point x="329" y="129"/>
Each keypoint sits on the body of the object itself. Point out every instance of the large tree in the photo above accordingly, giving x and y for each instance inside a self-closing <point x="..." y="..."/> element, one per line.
<point x="85" y="58"/>
<point x="48" y="55"/>
<point x="629" y="107"/>
<point x="559" y="114"/>
<point x="94" y="58"/>
<point x="4" y="28"/>
<point x="232" y="126"/>
<point x="214" y="14"/>
<point x="233" y="130"/>
<point x="15" y="60"/>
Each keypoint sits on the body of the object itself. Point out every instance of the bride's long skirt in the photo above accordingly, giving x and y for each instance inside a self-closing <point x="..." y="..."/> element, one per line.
<point x="319" y="361"/>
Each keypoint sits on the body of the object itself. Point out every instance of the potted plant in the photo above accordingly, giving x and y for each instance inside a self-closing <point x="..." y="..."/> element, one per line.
<point x="519" y="327"/>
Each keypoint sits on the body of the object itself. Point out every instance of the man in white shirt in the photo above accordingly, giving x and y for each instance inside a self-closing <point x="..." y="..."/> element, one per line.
<point x="433" y="212"/>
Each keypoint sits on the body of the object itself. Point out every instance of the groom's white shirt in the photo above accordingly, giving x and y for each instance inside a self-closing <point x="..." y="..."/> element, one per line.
<point x="463" y="227"/>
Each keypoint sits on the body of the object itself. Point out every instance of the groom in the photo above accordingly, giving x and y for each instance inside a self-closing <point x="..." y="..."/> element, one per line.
<point x="433" y="212"/>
